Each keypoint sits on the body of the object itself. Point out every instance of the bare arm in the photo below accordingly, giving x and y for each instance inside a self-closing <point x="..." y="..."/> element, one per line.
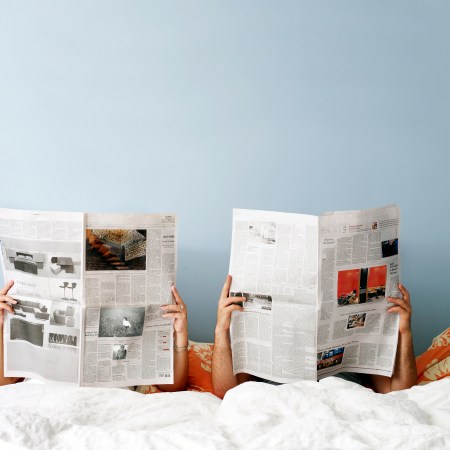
<point x="180" y="337"/>
<point x="4" y="300"/>
<point x="222" y="364"/>
<point x="405" y="372"/>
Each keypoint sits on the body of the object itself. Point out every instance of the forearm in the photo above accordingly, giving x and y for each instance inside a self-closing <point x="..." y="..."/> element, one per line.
<point x="405" y="372"/>
<point x="180" y="365"/>
<point x="222" y="364"/>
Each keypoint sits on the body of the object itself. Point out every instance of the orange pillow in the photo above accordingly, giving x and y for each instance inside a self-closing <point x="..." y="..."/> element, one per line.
<point x="199" y="376"/>
<point x="434" y="363"/>
<point x="200" y="357"/>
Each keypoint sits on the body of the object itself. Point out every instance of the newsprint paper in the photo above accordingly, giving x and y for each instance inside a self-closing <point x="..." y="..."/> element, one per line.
<point x="315" y="291"/>
<point x="89" y="289"/>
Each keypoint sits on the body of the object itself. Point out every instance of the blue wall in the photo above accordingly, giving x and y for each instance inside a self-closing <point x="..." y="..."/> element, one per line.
<point x="199" y="107"/>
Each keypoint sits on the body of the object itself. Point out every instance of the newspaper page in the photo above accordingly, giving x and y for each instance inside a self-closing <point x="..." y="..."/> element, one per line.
<point x="130" y="267"/>
<point x="274" y="265"/>
<point x="43" y="253"/>
<point x="359" y="269"/>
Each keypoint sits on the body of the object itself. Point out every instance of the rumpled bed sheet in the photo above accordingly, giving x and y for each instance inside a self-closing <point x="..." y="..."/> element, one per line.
<point x="331" y="414"/>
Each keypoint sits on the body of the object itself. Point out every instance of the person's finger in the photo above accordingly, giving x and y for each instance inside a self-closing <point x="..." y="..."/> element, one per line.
<point x="170" y="307"/>
<point x="173" y="315"/>
<point x="176" y="296"/>
<point x="173" y="308"/>
<point x="396" y="309"/>
<point x="400" y="302"/>
<point x="230" y="300"/>
<point x="7" y="298"/>
<point x="235" y="308"/>
<point x="6" y="307"/>
<point x="404" y="292"/>
<point x="6" y="287"/>
<point x="226" y="288"/>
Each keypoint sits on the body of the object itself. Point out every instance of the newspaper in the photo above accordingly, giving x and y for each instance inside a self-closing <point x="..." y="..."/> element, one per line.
<point x="126" y="340"/>
<point x="89" y="289"/>
<point x="43" y="253"/>
<point x="315" y="290"/>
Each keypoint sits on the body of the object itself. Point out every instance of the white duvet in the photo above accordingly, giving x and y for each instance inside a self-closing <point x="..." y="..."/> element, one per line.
<point x="331" y="414"/>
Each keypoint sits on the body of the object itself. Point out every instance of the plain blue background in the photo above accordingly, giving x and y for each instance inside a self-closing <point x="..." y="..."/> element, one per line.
<point x="198" y="107"/>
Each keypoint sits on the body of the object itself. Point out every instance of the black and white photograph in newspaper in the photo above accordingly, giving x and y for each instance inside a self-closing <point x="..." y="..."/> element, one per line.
<point x="62" y="339"/>
<point x="254" y="302"/>
<point x="125" y="321"/>
<point x="120" y="351"/>
<point x="65" y="290"/>
<point x="262" y="232"/>
<point x="25" y="285"/>
<point x="33" y="310"/>
<point x="21" y="330"/>
<point x="65" y="315"/>
<point x="42" y="258"/>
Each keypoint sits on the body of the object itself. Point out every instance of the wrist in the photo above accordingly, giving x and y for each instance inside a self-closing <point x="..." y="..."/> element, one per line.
<point x="180" y="339"/>
<point x="222" y="337"/>
<point x="406" y="332"/>
<point x="180" y="348"/>
<point x="221" y="330"/>
<point x="223" y="326"/>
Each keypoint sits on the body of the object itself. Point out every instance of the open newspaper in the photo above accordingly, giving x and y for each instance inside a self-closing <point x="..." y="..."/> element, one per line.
<point x="315" y="291"/>
<point x="89" y="289"/>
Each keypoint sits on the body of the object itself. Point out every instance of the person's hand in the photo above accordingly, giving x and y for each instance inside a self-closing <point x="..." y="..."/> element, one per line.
<point x="177" y="312"/>
<point x="403" y="307"/>
<point x="226" y="306"/>
<point x="4" y="300"/>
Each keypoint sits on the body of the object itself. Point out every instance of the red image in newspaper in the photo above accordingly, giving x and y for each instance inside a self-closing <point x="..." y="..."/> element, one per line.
<point x="363" y="285"/>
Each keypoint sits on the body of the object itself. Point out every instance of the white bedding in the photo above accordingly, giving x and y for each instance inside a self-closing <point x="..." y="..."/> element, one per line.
<point x="331" y="414"/>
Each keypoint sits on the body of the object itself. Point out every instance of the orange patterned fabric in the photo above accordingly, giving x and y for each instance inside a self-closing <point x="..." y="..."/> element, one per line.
<point x="199" y="377"/>
<point x="434" y="363"/>
<point x="200" y="357"/>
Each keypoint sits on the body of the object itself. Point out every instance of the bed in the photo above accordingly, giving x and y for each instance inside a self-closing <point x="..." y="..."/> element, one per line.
<point x="333" y="413"/>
